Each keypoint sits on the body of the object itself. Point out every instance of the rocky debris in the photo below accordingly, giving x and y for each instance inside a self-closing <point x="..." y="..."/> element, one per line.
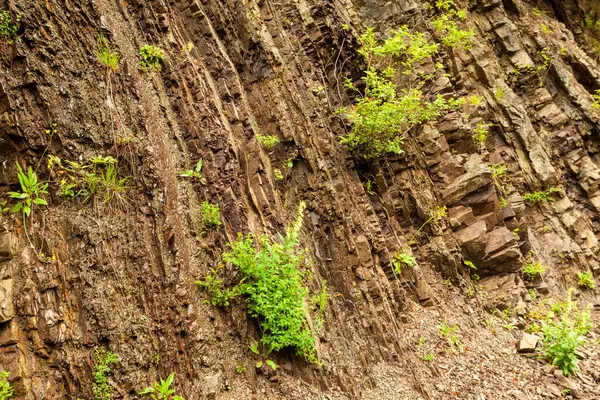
<point x="528" y="343"/>
<point x="474" y="179"/>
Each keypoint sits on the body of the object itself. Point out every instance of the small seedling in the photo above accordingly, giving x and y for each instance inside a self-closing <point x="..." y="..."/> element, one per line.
<point x="240" y="368"/>
<point x="32" y="192"/>
<point x="152" y="57"/>
<point x="162" y="390"/>
<point x="429" y="357"/>
<point x="586" y="280"/>
<point x="272" y="364"/>
<point x="195" y="173"/>
<point x="480" y="133"/>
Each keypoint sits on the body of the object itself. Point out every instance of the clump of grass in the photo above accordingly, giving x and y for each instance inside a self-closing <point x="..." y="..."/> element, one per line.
<point x="152" y="57"/>
<point x="105" y="55"/>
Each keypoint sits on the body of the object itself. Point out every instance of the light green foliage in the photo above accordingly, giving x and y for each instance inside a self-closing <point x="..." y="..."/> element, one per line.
<point x="210" y="215"/>
<point x="451" y="335"/>
<point x="268" y="141"/>
<point x="564" y="336"/>
<point x="401" y="259"/>
<point x="540" y="196"/>
<point x="219" y="295"/>
<point x="101" y="389"/>
<point x="532" y="294"/>
<point x="162" y="390"/>
<point x="274" y="288"/>
<point x="447" y="26"/>
<point x="384" y="113"/>
<point x="318" y="303"/>
<point x="480" y="133"/>
<point x="9" y="26"/>
<point x="6" y="391"/>
<point x="240" y="368"/>
<point x="586" y="279"/>
<point x="32" y="192"/>
<point x="429" y="357"/>
<point x="475" y="100"/>
<point x="470" y="264"/>
<point x="105" y="55"/>
<point x="152" y="57"/>
<point x="500" y="178"/>
<point x="546" y="29"/>
<point x="499" y="93"/>
<point x="368" y="185"/>
<point x="272" y="364"/>
<point x="532" y="270"/>
<point x="596" y="98"/>
<point x="195" y="173"/>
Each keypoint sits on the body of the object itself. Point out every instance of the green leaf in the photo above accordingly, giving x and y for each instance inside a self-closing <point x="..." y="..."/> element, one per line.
<point x="40" y="201"/>
<point x="147" y="390"/>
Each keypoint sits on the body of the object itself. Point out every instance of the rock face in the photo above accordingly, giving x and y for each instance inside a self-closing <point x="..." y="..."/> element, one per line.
<point x="123" y="277"/>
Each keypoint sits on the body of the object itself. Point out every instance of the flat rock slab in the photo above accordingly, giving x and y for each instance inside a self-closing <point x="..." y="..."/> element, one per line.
<point x="528" y="343"/>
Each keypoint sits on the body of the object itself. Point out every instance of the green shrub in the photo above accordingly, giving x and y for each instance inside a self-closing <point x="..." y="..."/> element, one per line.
<point x="268" y="141"/>
<point x="273" y="286"/>
<point x="383" y="114"/>
<point x="101" y="389"/>
<point x="211" y="215"/>
<point x="9" y="26"/>
<point x="532" y="270"/>
<point x="564" y="336"/>
<point x="152" y="57"/>
<point x="162" y="390"/>
<point x="586" y="279"/>
<point x="537" y="197"/>
<point x="6" y="391"/>
<point x="105" y="55"/>
<point x="32" y="192"/>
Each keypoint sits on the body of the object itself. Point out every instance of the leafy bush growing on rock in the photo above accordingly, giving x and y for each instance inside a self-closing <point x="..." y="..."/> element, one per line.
<point x="383" y="113"/>
<point x="585" y="279"/>
<point x="101" y="389"/>
<point x="564" y="336"/>
<point x="152" y="57"/>
<point x="9" y="26"/>
<point x="401" y="259"/>
<point x="532" y="270"/>
<point x="274" y="288"/>
<point x="6" y="391"/>
<point x="210" y="215"/>
<point x="268" y="141"/>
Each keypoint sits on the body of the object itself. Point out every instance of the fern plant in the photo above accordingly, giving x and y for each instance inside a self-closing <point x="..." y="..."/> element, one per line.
<point x="273" y="286"/>
<point x="162" y="390"/>
<point x="33" y="192"/>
